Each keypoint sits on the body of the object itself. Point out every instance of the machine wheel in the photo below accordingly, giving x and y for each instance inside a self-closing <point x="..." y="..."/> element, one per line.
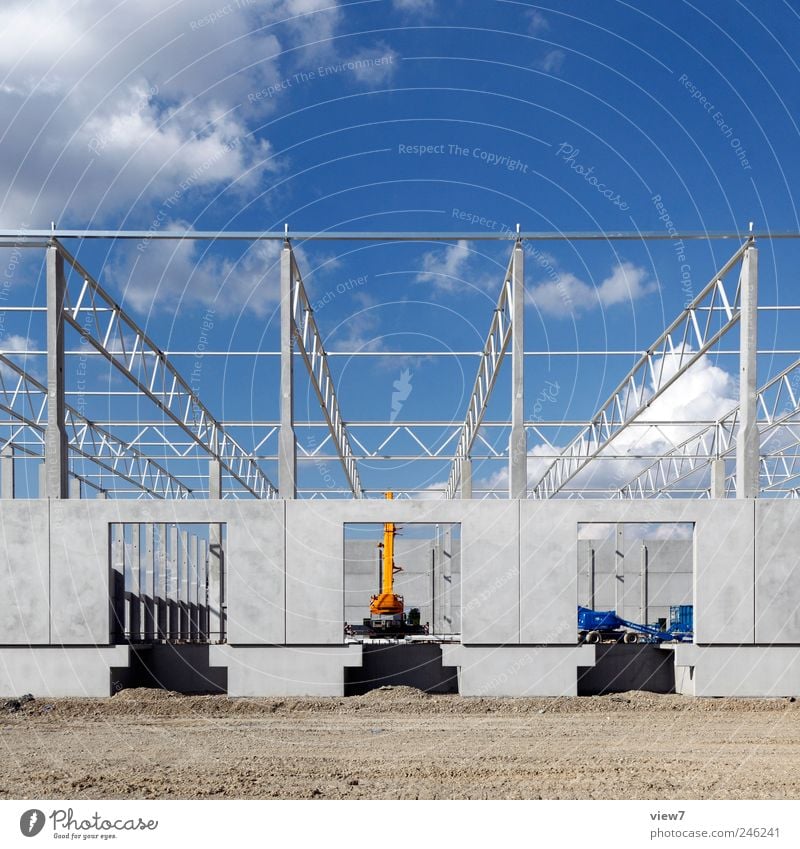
<point x="630" y="637"/>
<point x="593" y="637"/>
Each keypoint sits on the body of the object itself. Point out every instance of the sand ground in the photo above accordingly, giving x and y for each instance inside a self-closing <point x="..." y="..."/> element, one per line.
<point x="400" y="743"/>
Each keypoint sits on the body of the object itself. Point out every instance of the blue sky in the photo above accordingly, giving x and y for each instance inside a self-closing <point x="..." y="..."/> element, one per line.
<point x="405" y="115"/>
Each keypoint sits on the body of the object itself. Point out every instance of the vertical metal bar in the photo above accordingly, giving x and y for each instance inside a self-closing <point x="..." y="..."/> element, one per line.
<point x="518" y="444"/>
<point x="55" y="447"/>
<point x="747" y="448"/>
<point x="287" y="445"/>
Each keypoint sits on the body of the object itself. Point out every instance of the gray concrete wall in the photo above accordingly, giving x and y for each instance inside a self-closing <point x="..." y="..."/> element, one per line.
<point x="518" y="567"/>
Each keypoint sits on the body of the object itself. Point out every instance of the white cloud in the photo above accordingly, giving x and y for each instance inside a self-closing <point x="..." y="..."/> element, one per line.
<point x="552" y="61"/>
<point x="417" y="6"/>
<point x="374" y="65"/>
<point x="564" y="294"/>
<point x="537" y="22"/>
<point x="445" y="268"/>
<point x="108" y="109"/>
<point x="705" y="392"/>
<point x="172" y="273"/>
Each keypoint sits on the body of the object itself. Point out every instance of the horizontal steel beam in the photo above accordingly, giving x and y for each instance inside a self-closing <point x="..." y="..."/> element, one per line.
<point x="18" y="238"/>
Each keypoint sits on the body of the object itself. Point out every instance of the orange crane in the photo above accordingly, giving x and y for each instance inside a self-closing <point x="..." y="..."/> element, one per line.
<point x="387" y="609"/>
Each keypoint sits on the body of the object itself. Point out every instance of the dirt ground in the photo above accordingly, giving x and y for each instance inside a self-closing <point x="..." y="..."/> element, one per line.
<point x="400" y="743"/>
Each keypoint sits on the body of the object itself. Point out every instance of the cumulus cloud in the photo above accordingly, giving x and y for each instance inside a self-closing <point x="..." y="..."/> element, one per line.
<point x="537" y="22"/>
<point x="705" y="392"/>
<point x="445" y="268"/>
<point x="552" y="61"/>
<point x="564" y="294"/>
<point x="415" y="6"/>
<point x="109" y="109"/>
<point x="173" y="273"/>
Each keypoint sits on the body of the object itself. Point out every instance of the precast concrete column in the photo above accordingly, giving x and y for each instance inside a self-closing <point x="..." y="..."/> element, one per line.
<point x="643" y="578"/>
<point x="518" y="443"/>
<point x="163" y="585"/>
<point x="718" y="478"/>
<point x="148" y="596"/>
<point x="173" y="607"/>
<point x="55" y="436"/>
<point x="118" y="583"/>
<point x="74" y="488"/>
<point x="747" y="461"/>
<point x="202" y="582"/>
<point x="7" y="472"/>
<point x="216" y="562"/>
<point x="287" y="445"/>
<point x="183" y="585"/>
<point x="466" y="478"/>
<point x="447" y="580"/>
<point x="135" y="605"/>
<point x="590" y="575"/>
<point x="619" y="569"/>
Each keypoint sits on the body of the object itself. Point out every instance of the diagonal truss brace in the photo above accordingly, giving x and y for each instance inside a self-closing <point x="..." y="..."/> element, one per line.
<point x="778" y="406"/>
<point x="309" y="344"/>
<point x="25" y="400"/>
<point x="104" y="325"/>
<point x="678" y="348"/>
<point x="494" y="349"/>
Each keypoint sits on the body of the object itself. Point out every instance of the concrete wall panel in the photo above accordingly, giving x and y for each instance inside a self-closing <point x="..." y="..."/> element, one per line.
<point x="777" y="572"/>
<point x="724" y="594"/>
<point x="80" y="575"/>
<point x="24" y="573"/>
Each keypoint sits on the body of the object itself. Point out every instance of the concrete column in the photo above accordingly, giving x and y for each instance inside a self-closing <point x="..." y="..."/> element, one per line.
<point x="183" y="585"/>
<point x="518" y="442"/>
<point x="619" y="570"/>
<point x="287" y="446"/>
<point x="135" y="602"/>
<point x="643" y="578"/>
<point x="216" y="564"/>
<point x="163" y="585"/>
<point x="149" y="588"/>
<point x="7" y="472"/>
<point x="747" y="464"/>
<point x="173" y="611"/>
<point x="55" y="437"/>
<point x="590" y="574"/>
<point x="117" y="583"/>
<point x="74" y="488"/>
<point x="718" y="478"/>
<point x="192" y="598"/>
<point x="447" y="580"/>
<point x="202" y="583"/>
<point x="466" y="478"/>
<point x="42" y="480"/>
<point x="101" y="493"/>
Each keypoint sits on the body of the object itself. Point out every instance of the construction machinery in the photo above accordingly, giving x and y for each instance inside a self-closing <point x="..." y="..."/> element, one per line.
<point x="387" y="614"/>
<point x="596" y="626"/>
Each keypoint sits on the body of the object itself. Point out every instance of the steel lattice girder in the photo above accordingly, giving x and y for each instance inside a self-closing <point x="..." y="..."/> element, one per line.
<point x="494" y="350"/>
<point x="25" y="400"/>
<point x="679" y="347"/>
<point x="779" y="406"/>
<point x="126" y="346"/>
<point x="309" y="343"/>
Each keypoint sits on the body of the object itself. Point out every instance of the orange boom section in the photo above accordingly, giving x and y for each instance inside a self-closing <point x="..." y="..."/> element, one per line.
<point x="387" y="603"/>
